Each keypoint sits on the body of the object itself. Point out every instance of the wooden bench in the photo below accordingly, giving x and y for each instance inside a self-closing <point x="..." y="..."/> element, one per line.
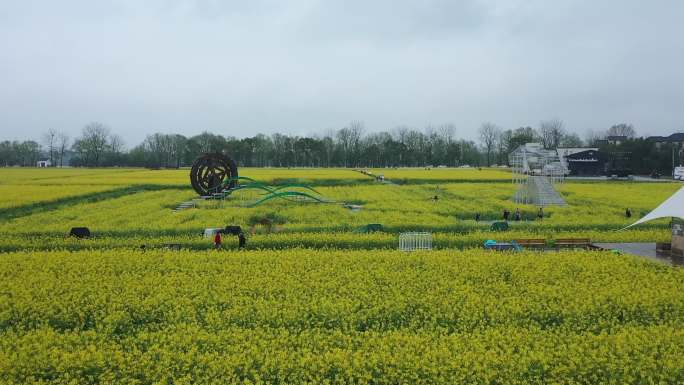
<point x="573" y="243"/>
<point x="532" y="243"/>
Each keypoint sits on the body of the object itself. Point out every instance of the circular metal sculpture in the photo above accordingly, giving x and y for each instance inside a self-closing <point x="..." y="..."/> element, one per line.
<point x="211" y="173"/>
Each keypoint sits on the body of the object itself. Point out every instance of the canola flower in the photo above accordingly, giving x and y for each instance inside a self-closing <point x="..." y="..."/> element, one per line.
<point x="285" y="240"/>
<point x="399" y="207"/>
<point x="317" y="303"/>
<point x="132" y="214"/>
<point x="328" y="316"/>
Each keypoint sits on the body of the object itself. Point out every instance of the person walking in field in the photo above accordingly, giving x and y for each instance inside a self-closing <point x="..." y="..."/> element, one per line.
<point x="217" y="240"/>
<point x="517" y="216"/>
<point x="540" y="214"/>
<point x="241" y="240"/>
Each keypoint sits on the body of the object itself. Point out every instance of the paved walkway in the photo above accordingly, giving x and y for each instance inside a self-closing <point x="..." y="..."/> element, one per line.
<point x="636" y="179"/>
<point x="647" y="250"/>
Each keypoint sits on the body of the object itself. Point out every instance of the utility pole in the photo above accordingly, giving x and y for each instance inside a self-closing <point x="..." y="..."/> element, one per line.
<point x="673" y="161"/>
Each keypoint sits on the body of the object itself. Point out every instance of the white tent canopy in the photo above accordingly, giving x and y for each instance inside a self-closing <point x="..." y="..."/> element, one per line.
<point x="672" y="207"/>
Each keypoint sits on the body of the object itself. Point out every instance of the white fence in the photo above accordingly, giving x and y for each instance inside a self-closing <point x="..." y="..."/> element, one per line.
<point x="415" y="241"/>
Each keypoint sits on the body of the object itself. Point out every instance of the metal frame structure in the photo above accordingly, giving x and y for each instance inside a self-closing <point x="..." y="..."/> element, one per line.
<point x="215" y="176"/>
<point x="209" y="172"/>
<point x="412" y="241"/>
<point x="535" y="170"/>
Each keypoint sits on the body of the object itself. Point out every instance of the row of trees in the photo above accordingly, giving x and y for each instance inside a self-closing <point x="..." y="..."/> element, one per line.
<point x="643" y="156"/>
<point x="15" y="153"/>
<point x="349" y="146"/>
<point x="98" y="146"/>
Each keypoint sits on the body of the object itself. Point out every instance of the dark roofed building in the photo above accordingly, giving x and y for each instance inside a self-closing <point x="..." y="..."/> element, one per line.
<point x="677" y="139"/>
<point x="590" y="162"/>
<point x="674" y="138"/>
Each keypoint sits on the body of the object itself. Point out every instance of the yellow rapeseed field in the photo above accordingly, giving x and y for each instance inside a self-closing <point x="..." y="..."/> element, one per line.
<point x="332" y="316"/>
<point x="313" y="301"/>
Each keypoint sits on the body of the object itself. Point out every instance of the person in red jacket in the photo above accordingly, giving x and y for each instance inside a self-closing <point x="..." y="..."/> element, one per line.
<point x="217" y="240"/>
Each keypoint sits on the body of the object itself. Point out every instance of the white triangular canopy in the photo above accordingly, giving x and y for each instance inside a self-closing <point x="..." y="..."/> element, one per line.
<point x="672" y="207"/>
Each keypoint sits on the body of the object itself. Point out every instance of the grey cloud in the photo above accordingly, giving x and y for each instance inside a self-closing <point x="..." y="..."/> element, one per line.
<point x="239" y="68"/>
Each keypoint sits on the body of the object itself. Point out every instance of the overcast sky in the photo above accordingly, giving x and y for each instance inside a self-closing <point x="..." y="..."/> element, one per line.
<point x="303" y="67"/>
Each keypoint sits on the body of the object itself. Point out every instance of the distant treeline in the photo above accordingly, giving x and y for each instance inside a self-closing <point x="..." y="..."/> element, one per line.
<point x="351" y="146"/>
<point x="347" y="147"/>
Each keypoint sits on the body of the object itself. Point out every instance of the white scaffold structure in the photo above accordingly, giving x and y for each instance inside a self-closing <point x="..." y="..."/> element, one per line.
<point x="535" y="171"/>
<point x="415" y="241"/>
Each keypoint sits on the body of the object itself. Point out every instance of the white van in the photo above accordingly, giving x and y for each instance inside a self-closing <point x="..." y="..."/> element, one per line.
<point x="679" y="173"/>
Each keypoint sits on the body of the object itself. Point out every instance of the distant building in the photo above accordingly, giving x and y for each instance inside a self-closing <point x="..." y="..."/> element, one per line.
<point x="43" y="163"/>
<point x="564" y="152"/>
<point x="616" y="140"/>
<point x="590" y="162"/>
<point x="676" y="139"/>
<point x="657" y="139"/>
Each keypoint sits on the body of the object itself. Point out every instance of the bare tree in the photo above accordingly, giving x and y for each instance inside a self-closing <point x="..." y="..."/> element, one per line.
<point x="415" y="148"/>
<point x="116" y="144"/>
<point x="204" y="140"/>
<point x="29" y="151"/>
<point x="49" y="140"/>
<point x="489" y="133"/>
<point x="93" y="143"/>
<point x="503" y="142"/>
<point x="279" y="143"/>
<point x="400" y="133"/>
<point x="329" y="146"/>
<point x="177" y="147"/>
<point x="447" y="132"/>
<point x="163" y="150"/>
<point x="343" y="137"/>
<point x="591" y="137"/>
<point x="571" y="140"/>
<point x="349" y="140"/>
<point x="154" y="149"/>
<point x="622" y="129"/>
<point x="552" y="132"/>
<point x="62" y="144"/>
<point x="356" y="130"/>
